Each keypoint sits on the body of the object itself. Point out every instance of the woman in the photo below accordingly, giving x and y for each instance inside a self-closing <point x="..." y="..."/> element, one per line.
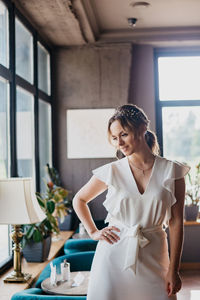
<point x="145" y="193"/>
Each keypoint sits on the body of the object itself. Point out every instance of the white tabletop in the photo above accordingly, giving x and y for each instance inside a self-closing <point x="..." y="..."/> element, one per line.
<point x="65" y="288"/>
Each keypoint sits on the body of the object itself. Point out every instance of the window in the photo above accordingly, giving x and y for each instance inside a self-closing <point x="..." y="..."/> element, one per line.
<point x="178" y="107"/>
<point x="4" y="47"/>
<point x="5" y="245"/>
<point x="181" y="133"/>
<point x="179" y="78"/>
<point x="25" y="105"/>
<point x="5" y="249"/>
<point x="4" y="129"/>
<point x="25" y="134"/>
<point x="43" y="69"/>
<point x="24" y="52"/>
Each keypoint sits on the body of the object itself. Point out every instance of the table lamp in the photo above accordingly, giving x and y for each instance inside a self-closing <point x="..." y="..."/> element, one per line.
<point x="18" y="205"/>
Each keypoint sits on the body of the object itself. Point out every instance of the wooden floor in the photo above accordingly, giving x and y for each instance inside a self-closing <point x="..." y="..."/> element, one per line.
<point x="191" y="285"/>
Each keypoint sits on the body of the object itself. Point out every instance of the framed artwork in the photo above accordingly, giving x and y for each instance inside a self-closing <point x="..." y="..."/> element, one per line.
<point x="87" y="133"/>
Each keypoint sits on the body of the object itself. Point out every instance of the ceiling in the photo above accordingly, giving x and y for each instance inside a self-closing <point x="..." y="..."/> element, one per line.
<point x="79" y="22"/>
<point x="113" y="14"/>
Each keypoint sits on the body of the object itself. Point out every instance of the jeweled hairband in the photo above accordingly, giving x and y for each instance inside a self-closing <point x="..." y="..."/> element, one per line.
<point x="130" y="114"/>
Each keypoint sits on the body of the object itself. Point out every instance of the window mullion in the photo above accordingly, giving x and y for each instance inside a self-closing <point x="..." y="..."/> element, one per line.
<point x="179" y="103"/>
<point x="13" y="150"/>
<point x="159" y="128"/>
<point x="158" y="108"/>
<point x="36" y="110"/>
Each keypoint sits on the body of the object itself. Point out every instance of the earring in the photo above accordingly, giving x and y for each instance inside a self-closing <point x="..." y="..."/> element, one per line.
<point x="119" y="154"/>
<point x="116" y="155"/>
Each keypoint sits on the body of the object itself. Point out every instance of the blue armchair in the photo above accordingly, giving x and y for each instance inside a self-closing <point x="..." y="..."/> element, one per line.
<point x="79" y="245"/>
<point x="81" y="261"/>
<point x="38" y="294"/>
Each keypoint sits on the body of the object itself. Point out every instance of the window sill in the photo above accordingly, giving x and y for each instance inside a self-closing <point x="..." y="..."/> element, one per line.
<point x="192" y="223"/>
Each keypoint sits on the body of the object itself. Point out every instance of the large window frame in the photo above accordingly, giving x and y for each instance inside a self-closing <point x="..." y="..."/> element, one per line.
<point x="9" y="73"/>
<point x="169" y="103"/>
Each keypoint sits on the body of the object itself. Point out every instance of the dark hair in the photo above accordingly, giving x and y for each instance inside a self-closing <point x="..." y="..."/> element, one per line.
<point x="132" y="117"/>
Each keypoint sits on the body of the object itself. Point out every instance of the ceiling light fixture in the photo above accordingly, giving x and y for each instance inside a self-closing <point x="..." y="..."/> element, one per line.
<point x="140" y="4"/>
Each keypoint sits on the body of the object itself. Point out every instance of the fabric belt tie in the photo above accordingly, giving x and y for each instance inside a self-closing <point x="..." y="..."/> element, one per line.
<point x="136" y="239"/>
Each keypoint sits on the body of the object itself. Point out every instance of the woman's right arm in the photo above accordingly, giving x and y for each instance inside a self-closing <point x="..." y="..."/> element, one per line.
<point x="89" y="191"/>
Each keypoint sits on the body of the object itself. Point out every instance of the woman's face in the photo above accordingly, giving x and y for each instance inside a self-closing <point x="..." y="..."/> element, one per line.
<point x="123" y="139"/>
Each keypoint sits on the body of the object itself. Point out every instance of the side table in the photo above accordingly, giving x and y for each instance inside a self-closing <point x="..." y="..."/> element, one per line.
<point x="65" y="287"/>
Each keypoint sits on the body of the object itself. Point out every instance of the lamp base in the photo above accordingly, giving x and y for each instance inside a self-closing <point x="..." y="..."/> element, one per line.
<point x="13" y="277"/>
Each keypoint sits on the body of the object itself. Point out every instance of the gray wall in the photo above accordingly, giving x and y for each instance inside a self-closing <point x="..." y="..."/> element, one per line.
<point x="97" y="77"/>
<point x="141" y="90"/>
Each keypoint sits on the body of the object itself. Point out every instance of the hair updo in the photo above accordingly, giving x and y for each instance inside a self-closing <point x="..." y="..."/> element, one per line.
<point x="132" y="117"/>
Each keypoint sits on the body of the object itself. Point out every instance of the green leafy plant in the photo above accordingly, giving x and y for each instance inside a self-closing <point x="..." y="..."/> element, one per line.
<point x="193" y="187"/>
<point x="56" y="203"/>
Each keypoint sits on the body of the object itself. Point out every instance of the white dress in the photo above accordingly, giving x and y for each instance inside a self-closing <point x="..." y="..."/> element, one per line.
<point x="134" y="268"/>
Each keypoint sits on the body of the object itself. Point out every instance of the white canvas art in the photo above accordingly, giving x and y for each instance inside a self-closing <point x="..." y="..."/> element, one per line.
<point x="87" y="133"/>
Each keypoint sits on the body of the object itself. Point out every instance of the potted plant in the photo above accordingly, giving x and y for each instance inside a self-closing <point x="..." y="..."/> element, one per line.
<point x="193" y="195"/>
<point x="64" y="220"/>
<point x="56" y="204"/>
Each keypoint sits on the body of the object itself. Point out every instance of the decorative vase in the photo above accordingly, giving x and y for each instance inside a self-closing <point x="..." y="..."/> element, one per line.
<point x="37" y="252"/>
<point x="191" y="212"/>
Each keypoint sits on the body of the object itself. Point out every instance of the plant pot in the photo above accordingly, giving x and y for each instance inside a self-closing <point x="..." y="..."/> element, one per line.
<point x="67" y="224"/>
<point x="191" y="212"/>
<point x="37" y="252"/>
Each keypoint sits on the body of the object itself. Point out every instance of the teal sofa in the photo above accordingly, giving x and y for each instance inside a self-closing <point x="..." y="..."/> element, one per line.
<point x="80" y="261"/>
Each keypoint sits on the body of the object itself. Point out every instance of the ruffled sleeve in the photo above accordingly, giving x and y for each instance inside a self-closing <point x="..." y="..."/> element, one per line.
<point x="174" y="170"/>
<point x="104" y="173"/>
<point x="107" y="173"/>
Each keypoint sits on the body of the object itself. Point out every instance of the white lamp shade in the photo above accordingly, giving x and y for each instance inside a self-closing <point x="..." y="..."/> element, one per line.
<point x="18" y="202"/>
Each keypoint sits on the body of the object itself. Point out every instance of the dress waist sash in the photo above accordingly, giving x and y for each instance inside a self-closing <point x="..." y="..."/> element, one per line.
<point x="136" y="239"/>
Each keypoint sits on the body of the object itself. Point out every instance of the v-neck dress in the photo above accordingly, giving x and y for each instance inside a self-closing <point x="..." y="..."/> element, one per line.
<point x="134" y="268"/>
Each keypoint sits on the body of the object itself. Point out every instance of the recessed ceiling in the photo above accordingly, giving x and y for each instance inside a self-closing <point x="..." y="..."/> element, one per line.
<point x="113" y="14"/>
<point x="79" y="22"/>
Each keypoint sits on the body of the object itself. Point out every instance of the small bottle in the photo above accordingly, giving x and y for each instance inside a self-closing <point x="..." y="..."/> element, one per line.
<point x="65" y="271"/>
<point x="53" y="275"/>
<point x="81" y="229"/>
